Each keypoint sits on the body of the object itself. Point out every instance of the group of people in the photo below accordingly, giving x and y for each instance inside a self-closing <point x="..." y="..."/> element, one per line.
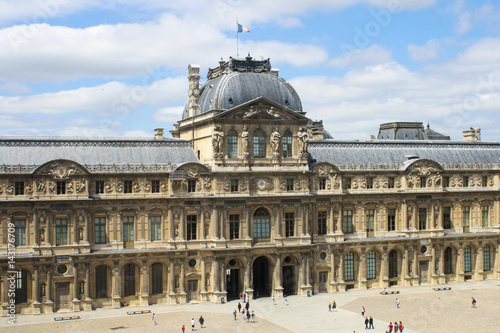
<point x="395" y="327"/>
<point x="245" y="312"/>
<point x="332" y="306"/>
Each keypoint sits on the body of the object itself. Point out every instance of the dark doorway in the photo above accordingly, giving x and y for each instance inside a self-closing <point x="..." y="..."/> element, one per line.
<point x="289" y="280"/>
<point x="261" y="283"/>
<point x="233" y="284"/>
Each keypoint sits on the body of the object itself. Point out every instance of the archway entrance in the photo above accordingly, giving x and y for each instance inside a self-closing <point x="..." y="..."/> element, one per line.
<point x="261" y="280"/>
<point x="289" y="285"/>
<point x="233" y="284"/>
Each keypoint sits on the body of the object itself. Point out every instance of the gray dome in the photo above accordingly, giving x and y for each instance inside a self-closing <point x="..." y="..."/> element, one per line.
<point x="230" y="88"/>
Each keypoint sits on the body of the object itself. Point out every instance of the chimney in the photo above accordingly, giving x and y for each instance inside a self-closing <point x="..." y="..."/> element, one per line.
<point x="158" y="133"/>
<point x="275" y="71"/>
<point x="194" y="89"/>
<point x="472" y="134"/>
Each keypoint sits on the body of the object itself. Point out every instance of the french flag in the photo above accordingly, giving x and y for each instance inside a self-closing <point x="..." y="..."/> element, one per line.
<point x="242" y="28"/>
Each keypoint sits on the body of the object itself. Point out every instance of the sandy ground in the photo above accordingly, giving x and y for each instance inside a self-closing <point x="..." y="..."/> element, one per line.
<point x="436" y="311"/>
<point x="166" y="322"/>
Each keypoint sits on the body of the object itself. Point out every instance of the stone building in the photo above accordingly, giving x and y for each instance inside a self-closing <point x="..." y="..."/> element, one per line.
<point x="249" y="195"/>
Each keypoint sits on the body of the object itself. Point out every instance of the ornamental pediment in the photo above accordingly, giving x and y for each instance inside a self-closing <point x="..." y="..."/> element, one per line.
<point x="424" y="167"/>
<point x="61" y="169"/>
<point x="261" y="109"/>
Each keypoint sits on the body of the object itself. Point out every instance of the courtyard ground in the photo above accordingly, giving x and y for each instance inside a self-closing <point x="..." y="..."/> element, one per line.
<point x="421" y="310"/>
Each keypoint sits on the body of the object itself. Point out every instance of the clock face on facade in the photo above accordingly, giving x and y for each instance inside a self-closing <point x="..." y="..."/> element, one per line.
<point x="261" y="184"/>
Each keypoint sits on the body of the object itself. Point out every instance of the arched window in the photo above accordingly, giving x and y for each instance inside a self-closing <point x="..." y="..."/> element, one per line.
<point x="448" y="261"/>
<point x="261" y="225"/>
<point x="129" y="280"/>
<point x="232" y="144"/>
<point x="486" y="258"/>
<point x="467" y="259"/>
<point x="349" y="266"/>
<point x="156" y="278"/>
<point x="393" y="264"/>
<point x="21" y="286"/>
<point x="259" y="143"/>
<point x="371" y="265"/>
<point x="287" y="144"/>
<point x="101" y="281"/>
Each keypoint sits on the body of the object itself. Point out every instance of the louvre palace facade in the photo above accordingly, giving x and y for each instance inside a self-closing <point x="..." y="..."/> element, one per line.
<point x="248" y="195"/>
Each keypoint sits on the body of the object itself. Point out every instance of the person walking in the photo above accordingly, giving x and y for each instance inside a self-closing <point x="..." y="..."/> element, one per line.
<point x="286" y="300"/>
<point x="363" y="311"/>
<point x="247" y="306"/>
<point x="234" y="314"/>
<point x="274" y="300"/>
<point x="334" y="305"/>
<point x="397" y="302"/>
<point x="371" y="323"/>
<point x="367" y="322"/>
<point x="390" y="326"/>
<point x="329" y="307"/>
<point x="396" y="327"/>
<point x="202" y="320"/>
<point x="473" y="302"/>
<point x="248" y="316"/>
<point x="401" y="327"/>
<point x="243" y="313"/>
<point x="192" y="324"/>
<point x="239" y="307"/>
<point x="244" y="298"/>
<point x="253" y="316"/>
<point x="154" y="318"/>
<point x="183" y="328"/>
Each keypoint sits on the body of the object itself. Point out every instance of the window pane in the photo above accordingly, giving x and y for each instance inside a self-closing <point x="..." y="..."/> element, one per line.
<point x="232" y="144"/>
<point x="370" y="265"/>
<point x="155" y="228"/>
<point x="259" y="144"/>
<point x="287" y="144"/>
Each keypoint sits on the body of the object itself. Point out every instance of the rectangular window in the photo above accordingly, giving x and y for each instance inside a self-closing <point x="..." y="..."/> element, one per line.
<point x="466" y="216"/>
<point x="423" y="182"/>
<point x="100" y="230"/>
<point x="289" y="184"/>
<point x="191" y="185"/>
<point x="191" y="227"/>
<point x="127" y="186"/>
<point x="347" y="221"/>
<point x="18" y="188"/>
<point x="447" y="218"/>
<point x="390" y="182"/>
<point x="484" y="181"/>
<point x="485" y="216"/>
<point x="61" y="231"/>
<point x="322" y="222"/>
<point x="289" y="224"/>
<point x="391" y="219"/>
<point x="155" y="186"/>
<point x="287" y="146"/>
<point x="20" y="233"/>
<point x="155" y="228"/>
<point x="446" y="181"/>
<point x="61" y="187"/>
<point x="347" y="183"/>
<point x="99" y="186"/>
<point x="349" y="267"/>
<point x="465" y="181"/>
<point x="232" y="146"/>
<point x="234" y="226"/>
<point x="234" y="185"/>
<point x="322" y="183"/>
<point x="422" y="218"/>
<point x="370" y="266"/>
<point x="369" y="182"/>
<point x="486" y="258"/>
<point x="128" y="230"/>
<point x="370" y="220"/>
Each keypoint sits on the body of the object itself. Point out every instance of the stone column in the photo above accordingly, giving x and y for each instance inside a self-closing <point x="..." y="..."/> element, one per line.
<point x="215" y="275"/>
<point x="278" y="272"/>
<point x="144" y="284"/>
<point x="116" y="286"/>
<point x="460" y="265"/>
<point x="171" y="234"/>
<point x="171" y="282"/>
<point x="442" y="275"/>
<point x="384" y="270"/>
<point x="213" y="223"/>
<point x="86" y="234"/>
<point x="362" y="271"/>
<point x="248" y="273"/>
<point x="182" y="224"/>
<point x="331" y="221"/>
<point x="440" y="217"/>
<point x="303" y="221"/>
<point x="88" y="300"/>
<point x="222" y="223"/>
<point x="202" y="224"/>
<point x="277" y="219"/>
<point x="36" y="293"/>
<point x="404" y="217"/>
<point x="340" y="281"/>
<point x="76" y="300"/>
<point x="478" y="271"/>
<point x="223" y="279"/>
<point x="35" y="229"/>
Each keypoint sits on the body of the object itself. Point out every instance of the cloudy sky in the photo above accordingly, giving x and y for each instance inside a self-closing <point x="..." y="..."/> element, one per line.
<point x="119" y="67"/>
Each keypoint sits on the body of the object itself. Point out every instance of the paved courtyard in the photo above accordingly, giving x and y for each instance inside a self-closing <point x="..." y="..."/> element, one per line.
<point x="421" y="310"/>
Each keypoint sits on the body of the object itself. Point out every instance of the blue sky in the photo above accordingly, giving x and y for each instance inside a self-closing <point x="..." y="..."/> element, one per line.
<point x="119" y="67"/>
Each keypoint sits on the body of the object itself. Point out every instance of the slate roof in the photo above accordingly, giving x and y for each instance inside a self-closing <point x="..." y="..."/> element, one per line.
<point x="95" y="151"/>
<point x="396" y="151"/>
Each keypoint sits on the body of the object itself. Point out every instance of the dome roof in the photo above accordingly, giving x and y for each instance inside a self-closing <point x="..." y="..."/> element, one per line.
<point x="238" y="81"/>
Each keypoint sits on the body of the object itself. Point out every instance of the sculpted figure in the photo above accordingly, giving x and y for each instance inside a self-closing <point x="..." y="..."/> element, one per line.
<point x="303" y="137"/>
<point x="245" y="141"/>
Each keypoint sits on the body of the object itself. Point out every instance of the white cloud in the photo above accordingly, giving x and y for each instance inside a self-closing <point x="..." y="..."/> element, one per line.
<point x="168" y="115"/>
<point x="429" y="51"/>
<point x="15" y="88"/>
<point x="463" y="24"/>
<point x="375" y="54"/>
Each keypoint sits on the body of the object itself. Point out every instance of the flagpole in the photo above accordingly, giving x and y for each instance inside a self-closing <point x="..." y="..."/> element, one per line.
<point x="237" y="40"/>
